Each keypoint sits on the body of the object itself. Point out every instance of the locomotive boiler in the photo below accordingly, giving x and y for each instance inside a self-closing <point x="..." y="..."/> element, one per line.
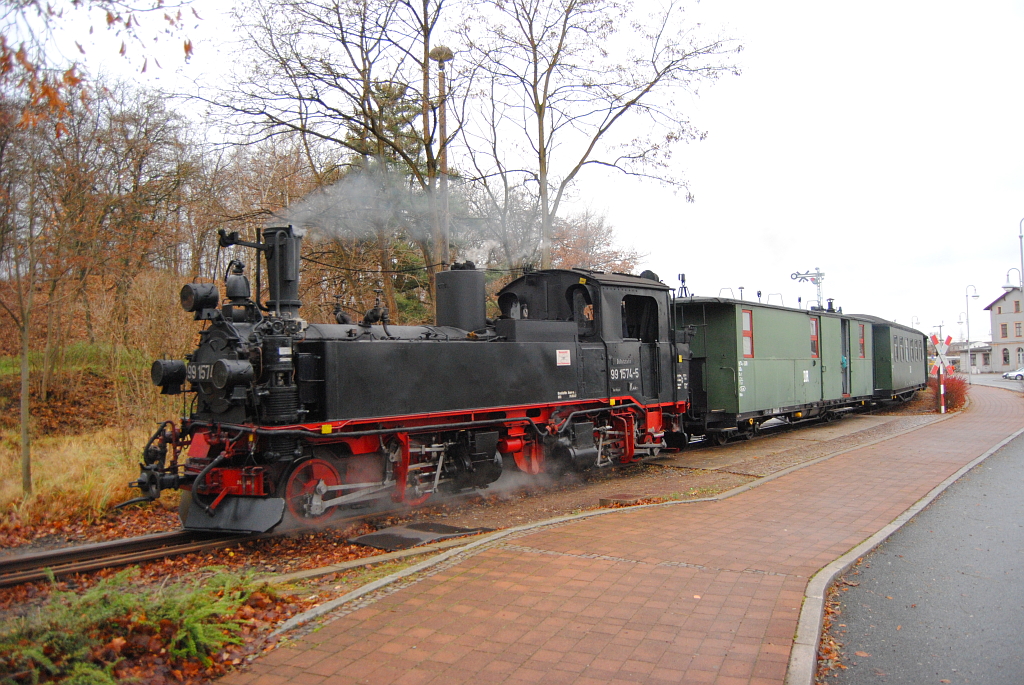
<point x="297" y="421"/>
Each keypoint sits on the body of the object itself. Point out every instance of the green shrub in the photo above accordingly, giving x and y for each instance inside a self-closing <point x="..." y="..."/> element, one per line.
<point x="69" y="639"/>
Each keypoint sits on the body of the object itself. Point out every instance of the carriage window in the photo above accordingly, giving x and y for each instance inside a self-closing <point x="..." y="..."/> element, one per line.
<point x="748" y="333"/>
<point x="862" y="341"/>
<point x="582" y="310"/>
<point x="640" y="318"/>
<point x="814" y="337"/>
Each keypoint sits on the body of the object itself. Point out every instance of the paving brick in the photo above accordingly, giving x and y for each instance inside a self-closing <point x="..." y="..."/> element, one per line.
<point x="505" y="615"/>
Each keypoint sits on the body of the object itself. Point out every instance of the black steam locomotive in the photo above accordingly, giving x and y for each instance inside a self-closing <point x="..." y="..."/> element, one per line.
<point x="290" y="419"/>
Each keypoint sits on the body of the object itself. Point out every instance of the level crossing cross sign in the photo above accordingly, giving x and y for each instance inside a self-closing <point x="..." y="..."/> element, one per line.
<point x="942" y="362"/>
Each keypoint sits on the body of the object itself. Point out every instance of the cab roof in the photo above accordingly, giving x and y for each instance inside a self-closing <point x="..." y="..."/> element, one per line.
<point x="600" y="277"/>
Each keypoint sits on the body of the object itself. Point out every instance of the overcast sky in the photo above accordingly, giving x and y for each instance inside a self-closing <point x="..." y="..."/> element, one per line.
<point x="878" y="141"/>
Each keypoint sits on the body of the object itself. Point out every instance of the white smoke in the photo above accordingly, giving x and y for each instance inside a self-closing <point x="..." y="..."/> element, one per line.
<point x="364" y="205"/>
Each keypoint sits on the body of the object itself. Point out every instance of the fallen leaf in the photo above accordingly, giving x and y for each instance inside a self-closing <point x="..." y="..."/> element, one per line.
<point x="888" y="597"/>
<point x="898" y="627"/>
<point x="862" y="654"/>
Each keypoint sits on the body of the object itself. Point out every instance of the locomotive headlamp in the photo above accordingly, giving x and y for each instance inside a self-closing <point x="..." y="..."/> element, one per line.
<point x="230" y="372"/>
<point x="167" y="371"/>
<point x="196" y="297"/>
<point x="169" y="374"/>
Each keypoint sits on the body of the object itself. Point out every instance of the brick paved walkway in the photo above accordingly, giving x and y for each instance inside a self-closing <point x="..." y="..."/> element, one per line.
<point x="690" y="593"/>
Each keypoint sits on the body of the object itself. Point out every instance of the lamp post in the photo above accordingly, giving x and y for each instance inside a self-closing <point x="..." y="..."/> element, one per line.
<point x="1008" y="286"/>
<point x="967" y="306"/>
<point x="1020" y="237"/>
<point x="914" y="321"/>
<point x="442" y="54"/>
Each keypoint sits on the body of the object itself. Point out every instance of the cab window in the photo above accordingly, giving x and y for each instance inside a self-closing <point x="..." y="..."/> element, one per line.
<point x="640" y="318"/>
<point x="582" y="310"/>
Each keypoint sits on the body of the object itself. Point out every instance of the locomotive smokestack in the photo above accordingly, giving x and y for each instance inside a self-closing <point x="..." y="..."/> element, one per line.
<point x="283" y="251"/>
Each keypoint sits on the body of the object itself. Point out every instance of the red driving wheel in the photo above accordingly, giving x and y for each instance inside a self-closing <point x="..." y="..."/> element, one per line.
<point x="301" y="484"/>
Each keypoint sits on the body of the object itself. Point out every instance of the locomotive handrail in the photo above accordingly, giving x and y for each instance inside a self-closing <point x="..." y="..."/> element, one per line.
<point x="311" y="433"/>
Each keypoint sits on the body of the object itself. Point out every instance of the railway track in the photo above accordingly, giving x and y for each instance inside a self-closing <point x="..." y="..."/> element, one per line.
<point x="26" y="568"/>
<point x="66" y="561"/>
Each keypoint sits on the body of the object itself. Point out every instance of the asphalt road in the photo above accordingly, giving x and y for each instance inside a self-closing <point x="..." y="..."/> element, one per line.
<point x="997" y="381"/>
<point x="942" y="601"/>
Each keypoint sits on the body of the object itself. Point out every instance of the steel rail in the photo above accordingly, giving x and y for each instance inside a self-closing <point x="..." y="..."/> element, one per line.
<point x="25" y="568"/>
<point x="36" y="566"/>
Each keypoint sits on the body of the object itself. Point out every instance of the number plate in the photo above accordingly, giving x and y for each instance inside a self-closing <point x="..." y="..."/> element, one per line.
<point x="197" y="373"/>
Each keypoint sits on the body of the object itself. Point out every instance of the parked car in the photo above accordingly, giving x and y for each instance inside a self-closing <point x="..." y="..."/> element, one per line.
<point x="1017" y="375"/>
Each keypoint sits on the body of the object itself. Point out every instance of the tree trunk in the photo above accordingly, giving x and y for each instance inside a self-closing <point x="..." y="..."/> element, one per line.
<point x="26" y="444"/>
<point x="48" y="348"/>
<point x="542" y="172"/>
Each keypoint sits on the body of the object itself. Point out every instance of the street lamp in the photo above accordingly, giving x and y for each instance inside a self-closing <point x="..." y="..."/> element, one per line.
<point x="914" y="321"/>
<point x="967" y="306"/>
<point x="442" y="54"/>
<point x="1010" y="286"/>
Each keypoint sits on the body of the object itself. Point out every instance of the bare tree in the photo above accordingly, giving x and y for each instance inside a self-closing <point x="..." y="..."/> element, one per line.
<point x="578" y="79"/>
<point x="351" y="73"/>
<point x="23" y="225"/>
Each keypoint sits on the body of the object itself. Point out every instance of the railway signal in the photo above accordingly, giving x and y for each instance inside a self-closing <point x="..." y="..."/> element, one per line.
<point x="815" y="277"/>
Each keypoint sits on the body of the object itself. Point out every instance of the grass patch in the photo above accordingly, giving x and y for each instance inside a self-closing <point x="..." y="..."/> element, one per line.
<point x="100" y="359"/>
<point x="88" y="638"/>
<point x="76" y="475"/>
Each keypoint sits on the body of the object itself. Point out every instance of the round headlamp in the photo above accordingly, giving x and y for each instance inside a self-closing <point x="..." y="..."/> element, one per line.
<point x="230" y="372"/>
<point x="196" y="297"/>
<point x="167" y="372"/>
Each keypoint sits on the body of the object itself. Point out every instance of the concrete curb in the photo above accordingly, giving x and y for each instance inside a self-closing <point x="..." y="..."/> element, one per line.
<point x="803" y="658"/>
<point x="325" y="608"/>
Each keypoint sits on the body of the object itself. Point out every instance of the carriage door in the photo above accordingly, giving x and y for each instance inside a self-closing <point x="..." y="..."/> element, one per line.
<point x="640" y="324"/>
<point x="845" y="361"/>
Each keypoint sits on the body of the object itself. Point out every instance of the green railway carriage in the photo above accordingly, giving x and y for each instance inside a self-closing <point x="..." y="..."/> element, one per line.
<point x="753" y="361"/>
<point x="901" y="359"/>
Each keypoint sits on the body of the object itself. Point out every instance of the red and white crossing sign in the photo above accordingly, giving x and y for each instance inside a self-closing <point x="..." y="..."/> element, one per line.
<point x="943" y="362"/>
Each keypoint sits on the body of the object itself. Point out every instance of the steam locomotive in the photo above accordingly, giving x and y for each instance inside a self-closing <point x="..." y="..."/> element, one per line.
<point x="293" y="421"/>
